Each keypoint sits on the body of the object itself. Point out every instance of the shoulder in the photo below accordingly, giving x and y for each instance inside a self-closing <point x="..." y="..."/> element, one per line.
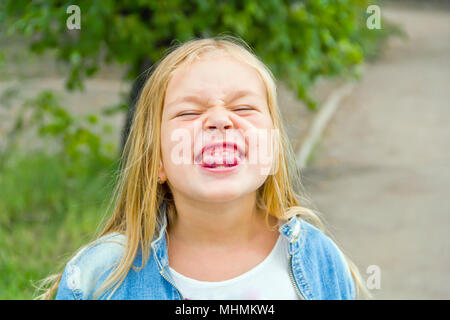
<point x="83" y="271"/>
<point x="327" y="265"/>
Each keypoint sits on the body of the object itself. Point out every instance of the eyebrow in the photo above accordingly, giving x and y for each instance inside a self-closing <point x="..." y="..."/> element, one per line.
<point x="198" y="99"/>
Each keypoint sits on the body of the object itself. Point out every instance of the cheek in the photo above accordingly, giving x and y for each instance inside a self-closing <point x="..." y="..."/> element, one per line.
<point x="165" y="140"/>
<point x="167" y="145"/>
<point x="266" y="121"/>
<point x="261" y="121"/>
<point x="262" y="130"/>
<point x="176" y="146"/>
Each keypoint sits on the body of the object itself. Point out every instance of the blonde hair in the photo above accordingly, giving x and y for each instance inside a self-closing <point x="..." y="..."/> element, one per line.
<point x="138" y="196"/>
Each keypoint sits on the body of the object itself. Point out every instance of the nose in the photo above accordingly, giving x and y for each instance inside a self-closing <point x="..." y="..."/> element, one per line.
<point x="218" y="119"/>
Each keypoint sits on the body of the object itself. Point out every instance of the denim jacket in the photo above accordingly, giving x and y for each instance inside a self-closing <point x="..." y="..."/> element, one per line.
<point x="317" y="267"/>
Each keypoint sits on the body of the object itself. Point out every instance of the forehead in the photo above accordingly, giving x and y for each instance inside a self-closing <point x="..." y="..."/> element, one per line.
<point x="215" y="77"/>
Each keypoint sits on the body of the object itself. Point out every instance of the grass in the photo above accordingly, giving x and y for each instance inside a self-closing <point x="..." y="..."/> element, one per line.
<point x="46" y="213"/>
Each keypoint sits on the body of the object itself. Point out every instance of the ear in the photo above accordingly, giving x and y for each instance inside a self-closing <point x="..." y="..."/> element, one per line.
<point x="161" y="173"/>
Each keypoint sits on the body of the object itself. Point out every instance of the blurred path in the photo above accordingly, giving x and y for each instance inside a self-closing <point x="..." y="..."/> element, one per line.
<point x="381" y="175"/>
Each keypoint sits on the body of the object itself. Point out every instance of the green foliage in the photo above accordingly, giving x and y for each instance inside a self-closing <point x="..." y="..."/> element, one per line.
<point x="299" y="40"/>
<point x="45" y="214"/>
<point x="52" y="199"/>
<point x="73" y="137"/>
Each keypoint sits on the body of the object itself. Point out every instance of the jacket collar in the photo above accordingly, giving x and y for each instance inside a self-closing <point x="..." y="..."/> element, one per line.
<point x="291" y="230"/>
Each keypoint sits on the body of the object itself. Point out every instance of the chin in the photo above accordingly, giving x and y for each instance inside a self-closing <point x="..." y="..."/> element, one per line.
<point x="218" y="194"/>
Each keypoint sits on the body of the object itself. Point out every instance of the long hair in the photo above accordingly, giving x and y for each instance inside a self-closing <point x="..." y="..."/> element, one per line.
<point x="138" y="196"/>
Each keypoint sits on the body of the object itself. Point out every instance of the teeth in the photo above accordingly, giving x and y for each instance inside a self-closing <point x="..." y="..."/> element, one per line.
<point x="220" y="156"/>
<point x="209" y="160"/>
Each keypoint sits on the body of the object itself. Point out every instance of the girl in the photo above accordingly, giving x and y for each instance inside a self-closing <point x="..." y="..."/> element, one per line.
<point x="199" y="213"/>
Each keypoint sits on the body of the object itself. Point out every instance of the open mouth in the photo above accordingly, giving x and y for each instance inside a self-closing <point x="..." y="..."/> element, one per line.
<point x="220" y="155"/>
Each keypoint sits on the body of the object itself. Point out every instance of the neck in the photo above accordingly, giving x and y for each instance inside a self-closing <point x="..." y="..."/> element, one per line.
<point x="220" y="224"/>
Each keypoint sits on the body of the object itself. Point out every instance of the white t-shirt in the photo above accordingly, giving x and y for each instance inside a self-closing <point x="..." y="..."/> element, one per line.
<point x="269" y="280"/>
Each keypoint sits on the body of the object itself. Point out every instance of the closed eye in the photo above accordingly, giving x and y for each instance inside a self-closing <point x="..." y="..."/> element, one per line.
<point x="243" y="109"/>
<point x="187" y="114"/>
<point x="193" y="113"/>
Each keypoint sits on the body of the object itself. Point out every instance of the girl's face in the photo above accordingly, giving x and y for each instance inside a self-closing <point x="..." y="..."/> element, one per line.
<point x="215" y="121"/>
